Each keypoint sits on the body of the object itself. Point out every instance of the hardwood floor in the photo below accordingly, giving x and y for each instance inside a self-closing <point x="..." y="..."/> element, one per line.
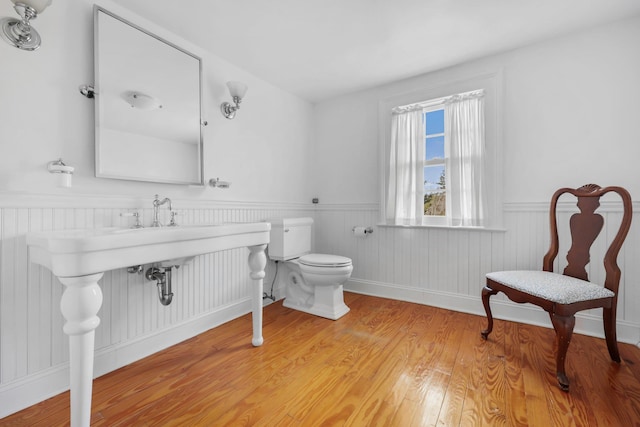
<point x="385" y="363"/>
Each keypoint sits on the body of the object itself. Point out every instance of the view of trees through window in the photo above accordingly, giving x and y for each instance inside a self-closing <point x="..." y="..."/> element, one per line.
<point x="434" y="166"/>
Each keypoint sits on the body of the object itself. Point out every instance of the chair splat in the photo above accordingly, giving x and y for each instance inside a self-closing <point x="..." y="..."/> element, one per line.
<point x="585" y="228"/>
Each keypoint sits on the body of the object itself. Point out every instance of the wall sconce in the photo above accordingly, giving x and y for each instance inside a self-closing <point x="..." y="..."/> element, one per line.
<point x="19" y="32"/>
<point x="64" y="172"/>
<point x="237" y="91"/>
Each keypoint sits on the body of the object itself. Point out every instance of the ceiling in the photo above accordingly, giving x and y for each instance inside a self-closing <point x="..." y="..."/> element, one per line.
<point x="319" y="49"/>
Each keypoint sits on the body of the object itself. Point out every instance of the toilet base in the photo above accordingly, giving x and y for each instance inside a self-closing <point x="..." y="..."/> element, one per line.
<point x="327" y="302"/>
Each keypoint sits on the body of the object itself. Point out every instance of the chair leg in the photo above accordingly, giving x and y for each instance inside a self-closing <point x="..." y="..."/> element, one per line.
<point x="563" y="326"/>
<point x="609" y="319"/>
<point x="486" y="294"/>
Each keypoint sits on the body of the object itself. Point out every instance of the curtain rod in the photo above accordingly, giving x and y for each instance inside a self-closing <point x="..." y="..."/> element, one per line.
<point x="478" y="93"/>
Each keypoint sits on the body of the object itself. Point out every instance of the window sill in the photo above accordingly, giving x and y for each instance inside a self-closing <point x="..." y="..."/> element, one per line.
<point x="446" y="227"/>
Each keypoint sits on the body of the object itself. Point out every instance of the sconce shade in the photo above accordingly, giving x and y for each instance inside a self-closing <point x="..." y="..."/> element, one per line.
<point x="37" y="5"/>
<point x="237" y="89"/>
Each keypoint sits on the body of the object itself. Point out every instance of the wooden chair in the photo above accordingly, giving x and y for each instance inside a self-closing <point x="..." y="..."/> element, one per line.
<point x="562" y="295"/>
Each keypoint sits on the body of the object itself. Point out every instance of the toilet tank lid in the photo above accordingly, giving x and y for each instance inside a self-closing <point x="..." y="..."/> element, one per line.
<point x="289" y="222"/>
<point x="324" y="260"/>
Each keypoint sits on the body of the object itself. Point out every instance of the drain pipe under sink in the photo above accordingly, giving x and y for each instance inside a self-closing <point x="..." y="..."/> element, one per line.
<point x="162" y="276"/>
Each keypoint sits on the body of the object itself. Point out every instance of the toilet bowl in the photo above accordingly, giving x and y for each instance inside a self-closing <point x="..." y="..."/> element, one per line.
<point x="320" y="291"/>
<point x="313" y="282"/>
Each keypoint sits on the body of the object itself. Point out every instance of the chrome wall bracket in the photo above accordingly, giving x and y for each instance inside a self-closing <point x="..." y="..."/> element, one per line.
<point x="88" y="91"/>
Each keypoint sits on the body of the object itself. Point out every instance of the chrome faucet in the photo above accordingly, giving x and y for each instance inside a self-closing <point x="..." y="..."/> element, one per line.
<point x="156" y="204"/>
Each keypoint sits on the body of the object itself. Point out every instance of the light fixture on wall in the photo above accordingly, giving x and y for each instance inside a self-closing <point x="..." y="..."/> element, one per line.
<point x="19" y="32"/>
<point x="237" y="91"/>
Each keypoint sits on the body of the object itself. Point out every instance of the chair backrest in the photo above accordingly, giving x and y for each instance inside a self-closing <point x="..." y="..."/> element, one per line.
<point x="585" y="227"/>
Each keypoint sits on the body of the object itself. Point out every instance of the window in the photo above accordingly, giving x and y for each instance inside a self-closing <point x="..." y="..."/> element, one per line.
<point x="442" y="174"/>
<point x="434" y="165"/>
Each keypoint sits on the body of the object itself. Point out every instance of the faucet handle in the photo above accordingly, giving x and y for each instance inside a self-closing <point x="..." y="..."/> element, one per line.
<point x="136" y="215"/>
<point x="172" y="221"/>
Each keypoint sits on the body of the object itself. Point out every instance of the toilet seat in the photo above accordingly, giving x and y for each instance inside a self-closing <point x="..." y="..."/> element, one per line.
<point x="324" y="260"/>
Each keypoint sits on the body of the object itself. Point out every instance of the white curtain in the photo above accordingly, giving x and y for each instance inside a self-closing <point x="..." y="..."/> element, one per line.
<point x="405" y="193"/>
<point x="465" y="179"/>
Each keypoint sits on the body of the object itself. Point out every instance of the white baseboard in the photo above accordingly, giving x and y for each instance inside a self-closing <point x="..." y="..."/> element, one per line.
<point x="501" y="308"/>
<point x="33" y="389"/>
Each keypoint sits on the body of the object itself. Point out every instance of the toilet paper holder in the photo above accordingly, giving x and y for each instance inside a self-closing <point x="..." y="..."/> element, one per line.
<point x="367" y="230"/>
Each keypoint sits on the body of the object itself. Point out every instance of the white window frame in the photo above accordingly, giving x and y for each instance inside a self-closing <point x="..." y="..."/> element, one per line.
<point x="491" y="83"/>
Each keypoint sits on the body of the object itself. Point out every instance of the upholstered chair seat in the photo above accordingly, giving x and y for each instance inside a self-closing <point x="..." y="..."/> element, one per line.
<point x="554" y="287"/>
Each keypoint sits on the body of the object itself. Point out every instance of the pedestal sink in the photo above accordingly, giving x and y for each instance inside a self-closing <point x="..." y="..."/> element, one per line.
<point x="79" y="258"/>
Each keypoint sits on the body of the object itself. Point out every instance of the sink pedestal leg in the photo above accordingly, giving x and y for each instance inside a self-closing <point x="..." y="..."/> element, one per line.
<point x="257" y="263"/>
<point x="80" y="303"/>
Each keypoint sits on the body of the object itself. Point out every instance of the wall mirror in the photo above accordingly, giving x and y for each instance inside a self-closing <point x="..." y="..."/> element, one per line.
<point x="148" y="106"/>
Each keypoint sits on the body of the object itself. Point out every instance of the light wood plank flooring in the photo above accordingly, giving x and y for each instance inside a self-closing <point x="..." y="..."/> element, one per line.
<point x="386" y="363"/>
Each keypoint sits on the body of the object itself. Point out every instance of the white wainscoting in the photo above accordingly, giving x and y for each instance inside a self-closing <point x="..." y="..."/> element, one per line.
<point x="433" y="266"/>
<point x="446" y="268"/>
<point x="211" y="290"/>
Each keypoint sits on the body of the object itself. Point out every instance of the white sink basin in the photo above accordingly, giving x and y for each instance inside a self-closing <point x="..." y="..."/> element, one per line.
<point x="70" y="253"/>
<point x="80" y="257"/>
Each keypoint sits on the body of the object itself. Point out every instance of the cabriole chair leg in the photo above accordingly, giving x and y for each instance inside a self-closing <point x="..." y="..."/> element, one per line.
<point x="486" y="294"/>
<point x="564" y="330"/>
<point x="609" y="320"/>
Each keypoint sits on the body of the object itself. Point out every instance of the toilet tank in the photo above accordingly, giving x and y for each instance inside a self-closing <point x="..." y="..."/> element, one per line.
<point x="290" y="238"/>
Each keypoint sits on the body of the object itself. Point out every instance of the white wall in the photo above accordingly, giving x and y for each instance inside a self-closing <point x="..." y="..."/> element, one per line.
<point x="570" y="112"/>
<point x="44" y="117"/>
<point x="265" y="152"/>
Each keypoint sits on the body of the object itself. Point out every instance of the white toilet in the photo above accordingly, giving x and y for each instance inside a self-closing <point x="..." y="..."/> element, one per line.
<point x="313" y="282"/>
